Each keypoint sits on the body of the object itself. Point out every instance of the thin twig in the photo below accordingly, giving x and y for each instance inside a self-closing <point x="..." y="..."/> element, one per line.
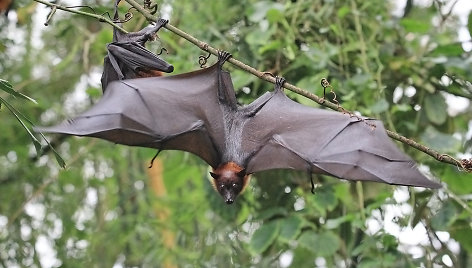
<point x="99" y="17"/>
<point x="264" y="76"/>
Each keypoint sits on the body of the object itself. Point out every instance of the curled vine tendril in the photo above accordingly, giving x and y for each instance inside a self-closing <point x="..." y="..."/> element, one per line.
<point x="162" y="50"/>
<point x="149" y="6"/>
<point x="325" y="84"/>
<point x="202" y="60"/>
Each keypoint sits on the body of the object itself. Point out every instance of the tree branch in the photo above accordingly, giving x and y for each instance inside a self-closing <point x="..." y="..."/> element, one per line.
<point x="464" y="163"/>
<point x="264" y="76"/>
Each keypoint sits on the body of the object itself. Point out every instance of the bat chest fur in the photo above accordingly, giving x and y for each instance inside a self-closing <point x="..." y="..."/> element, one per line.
<point x="233" y="128"/>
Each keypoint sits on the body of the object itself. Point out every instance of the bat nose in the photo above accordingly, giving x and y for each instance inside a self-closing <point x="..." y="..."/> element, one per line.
<point x="229" y="201"/>
<point x="169" y="69"/>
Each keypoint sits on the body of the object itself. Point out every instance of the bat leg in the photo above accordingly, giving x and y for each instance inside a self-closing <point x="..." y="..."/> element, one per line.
<point x="154" y="158"/>
<point x="150" y="33"/>
<point x="310" y="176"/>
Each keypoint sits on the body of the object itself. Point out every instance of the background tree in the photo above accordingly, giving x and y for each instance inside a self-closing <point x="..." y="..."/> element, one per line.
<point x="107" y="208"/>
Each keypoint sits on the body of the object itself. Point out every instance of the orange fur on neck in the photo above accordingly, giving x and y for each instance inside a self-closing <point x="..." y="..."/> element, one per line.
<point x="230" y="166"/>
<point x="149" y="73"/>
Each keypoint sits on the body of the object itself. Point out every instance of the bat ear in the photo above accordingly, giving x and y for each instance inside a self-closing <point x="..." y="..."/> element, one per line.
<point x="214" y="175"/>
<point x="241" y="173"/>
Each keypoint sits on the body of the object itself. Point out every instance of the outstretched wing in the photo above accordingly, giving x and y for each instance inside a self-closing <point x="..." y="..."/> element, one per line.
<point x="286" y="134"/>
<point x="180" y="112"/>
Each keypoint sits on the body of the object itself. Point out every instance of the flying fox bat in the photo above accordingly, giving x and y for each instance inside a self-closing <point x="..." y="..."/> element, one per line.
<point x="127" y="56"/>
<point x="198" y="112"/>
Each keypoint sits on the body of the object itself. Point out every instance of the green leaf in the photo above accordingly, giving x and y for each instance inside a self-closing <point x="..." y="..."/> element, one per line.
<point x="290" y="228"/>
<point x="263" y="237"/>
<point x="360" y="79"/>
<point x="343" y="11"/>
<point x="381" y="106"/>
<point x="274" y="15"/>
<point x="324" y="199"/>
<point x="415" y="26"/>
<point x="334" y="223"/>
<point x="288" y="52"/>
<point x="463" y="235"/>
<point x="7" y="87"/>
<point x="457" y="181"/>
<point x="259" y="37"/>
<point x="58" y="157"/>
<point x="342" y="192"/>
<point x="261" y="8"/>
<point x="444" y="217"/>
<point x="389" y="241"/>
<point x="271" y="212"/>
<point x="419" y="212"/>
<point x="19" y="117"/>
<point x="436" y="108"/>
<point x="324" y="244"/>
<point x="439" y="141"/>
<point x="94" y="92"/>
<point x="272" y="45"/>
<point x="37" y="145"/>
<point x="449" y="50"/>
<point x="401" y="108"/>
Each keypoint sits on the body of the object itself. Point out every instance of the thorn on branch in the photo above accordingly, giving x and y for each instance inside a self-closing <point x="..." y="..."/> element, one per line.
<point x="202" y="60"/>
<point x="162" y="50"/>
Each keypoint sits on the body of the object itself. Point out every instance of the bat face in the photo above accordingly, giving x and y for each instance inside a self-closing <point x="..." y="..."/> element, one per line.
<point x="229" y="180"/>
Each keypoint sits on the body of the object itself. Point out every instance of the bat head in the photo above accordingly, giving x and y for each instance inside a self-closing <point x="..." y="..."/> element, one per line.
<point x="229" y="180"/>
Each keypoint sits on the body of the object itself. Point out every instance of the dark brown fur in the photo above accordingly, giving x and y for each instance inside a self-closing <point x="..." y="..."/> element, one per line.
<point x="229" y="180"/>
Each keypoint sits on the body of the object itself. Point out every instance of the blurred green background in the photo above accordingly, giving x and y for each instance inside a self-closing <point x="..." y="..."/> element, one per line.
<point x="403" y="64"/>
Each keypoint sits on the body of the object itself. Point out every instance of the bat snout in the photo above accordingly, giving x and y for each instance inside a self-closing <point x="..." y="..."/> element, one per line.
<point x="229" y="197"/>
<point x="169" y="69"/>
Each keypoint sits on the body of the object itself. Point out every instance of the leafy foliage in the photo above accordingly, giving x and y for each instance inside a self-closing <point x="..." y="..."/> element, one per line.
<point x="107" y="208"/>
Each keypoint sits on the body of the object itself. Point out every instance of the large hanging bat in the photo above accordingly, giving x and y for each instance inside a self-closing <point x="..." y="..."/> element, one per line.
<point x="127" y="56"/>
<point x="197" y="112"/>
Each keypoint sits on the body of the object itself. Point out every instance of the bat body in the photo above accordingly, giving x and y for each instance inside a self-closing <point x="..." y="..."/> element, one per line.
<point x="128" y="58"/>
<point x="198" y="112"/>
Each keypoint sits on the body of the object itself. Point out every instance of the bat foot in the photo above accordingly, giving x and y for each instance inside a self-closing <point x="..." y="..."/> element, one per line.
<point x="162" y="22"/>
<point x="279" y="82"/>
<point x="223" y="56"/>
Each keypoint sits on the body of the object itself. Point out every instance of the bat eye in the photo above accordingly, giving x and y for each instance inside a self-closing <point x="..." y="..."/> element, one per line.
<point x="222" y="186"/>
<point x="235" y="185"/>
